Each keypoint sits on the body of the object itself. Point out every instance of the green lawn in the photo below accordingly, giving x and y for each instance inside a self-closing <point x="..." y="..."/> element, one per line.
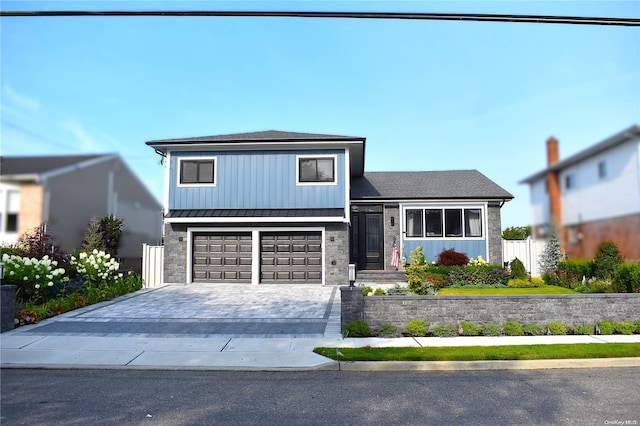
<point x="548" y="289"/>
<point x="479" y="353"/>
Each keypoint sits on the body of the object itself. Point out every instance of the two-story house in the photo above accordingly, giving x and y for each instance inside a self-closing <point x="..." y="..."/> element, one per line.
<point x="592" y="196"/>
<point x="66" y="191"/>
<point x="284" y="207"/>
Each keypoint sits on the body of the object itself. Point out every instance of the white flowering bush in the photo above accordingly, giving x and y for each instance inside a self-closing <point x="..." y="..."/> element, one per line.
<point x="96" y="267"/>
<point x="30" y="275"/>
<point x="478" y="261"/>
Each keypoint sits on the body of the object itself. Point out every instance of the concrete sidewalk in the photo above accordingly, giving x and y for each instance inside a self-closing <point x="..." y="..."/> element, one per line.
<point x="21" y="350"/>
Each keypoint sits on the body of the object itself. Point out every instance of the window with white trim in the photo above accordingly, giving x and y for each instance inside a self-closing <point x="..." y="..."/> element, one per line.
<point x="317" y="170"/>
<point x="444" y="223"/>
<point x="197" y="171"/>
<point x="11" y="211"/>
<point x="602" y="170"/>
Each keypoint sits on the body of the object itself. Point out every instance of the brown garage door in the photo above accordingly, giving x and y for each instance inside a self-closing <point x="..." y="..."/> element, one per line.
<point x="222" y="257"/>
<point x="291" y="257"/>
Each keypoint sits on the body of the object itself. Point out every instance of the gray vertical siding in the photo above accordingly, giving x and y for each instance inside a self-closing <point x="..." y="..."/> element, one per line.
<point x="257" y="180"/>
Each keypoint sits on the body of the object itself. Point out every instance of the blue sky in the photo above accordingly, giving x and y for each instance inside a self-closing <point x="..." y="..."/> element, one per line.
<point x="427" y="95"/>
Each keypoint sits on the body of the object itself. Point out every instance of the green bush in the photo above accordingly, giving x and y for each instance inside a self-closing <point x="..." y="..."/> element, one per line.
<point x="357" y="328"/>
<point x="485" y="275"/>
<point x="520" y="283"/>
<point x="512" y="328"/>
<point x="582" y="329"/>
<point x="605" y="327"/>
<point x="416" y="272"/>
<point x="445" y="331"/>
<point x="569" y="273"/>
<point x="556" y="329"/>
<point x="607" y="260"/>
<point x="595" y="285"/>
<point x="450" y="257"/>
<point x="366" y="290"/>
<point x="467" y="329"/>
<point x="532" y="330"/>
<point x="518" y="270"/>
<point x="379" y="292"/>
<point x="398" y="290"/>
<point x="388" y="330"/>
<point x="637" y="325"/>
<point x="627" y="278"/>
<point x="620" y="327"/>
<point x="417" y="328"/>
<point x="489" y="330"/>
<point x="536" y="282"/>
<point x="437" y="279"/>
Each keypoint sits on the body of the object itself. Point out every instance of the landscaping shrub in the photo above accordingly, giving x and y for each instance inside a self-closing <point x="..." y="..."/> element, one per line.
<point x="467" y="329"/>
<point x="627" y="278"/>
<point x="637" y="327"/>
<point x="556" y="329"/>
<point x="569" y="273"/>
<point x="516" y="233"/>
<point x="520" y="283"/>
<point x="595" y="285"/>
<point x="437" y="280"/>
<point x="512" y="328"/>
<point x="582" y="329"/>
<point x="552" y="254"/>
<point x="31" y="276"/>
<point x="536" y="282"/>
<point x="489" y="330"/>
<point x="478" y="261"/>
<point x="37" y="243"/>
<point x="451" y="257"/>
<point x="479" y="276"/>
<point x="607" y="260"/>
<point x="604" y="327"/>
<point x="388" y="330"/>
<point x="620" y="327"/>
<point x="398" y="290"/>
<point x="367" y="290"/>
<point x="417" y="272"/>
<point x="379" y="292"/>
<point x="518" y="270"/>
<point x="357" y="328"/>
<point x="532" y="330"/>
<point x="445" y="330"/>
<point x="417" y="328"/>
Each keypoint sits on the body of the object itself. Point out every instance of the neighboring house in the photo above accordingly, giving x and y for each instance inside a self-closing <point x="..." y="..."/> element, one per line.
<point x="283" y="207"/>
<point x="593" y="196"/>
<point x="65" y="192"/>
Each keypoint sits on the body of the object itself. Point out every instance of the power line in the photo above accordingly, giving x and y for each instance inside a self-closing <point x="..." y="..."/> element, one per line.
<point x="477" y="17"/>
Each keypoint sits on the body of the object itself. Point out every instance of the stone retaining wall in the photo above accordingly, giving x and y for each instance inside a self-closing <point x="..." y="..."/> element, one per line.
<point x="569" y="309"/>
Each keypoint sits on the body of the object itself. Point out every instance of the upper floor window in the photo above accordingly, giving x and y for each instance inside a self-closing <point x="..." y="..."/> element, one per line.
<point x="200" y="171"/>
<point x="570" y="181"/>
<point x="10" y="210"/>
<point x="602" y="170"/>
<point x="316" y="170"/>
<point x="439" y="222"/>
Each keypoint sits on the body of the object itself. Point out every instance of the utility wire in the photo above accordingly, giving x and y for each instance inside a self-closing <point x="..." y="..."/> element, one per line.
<point x="477" y="17"/>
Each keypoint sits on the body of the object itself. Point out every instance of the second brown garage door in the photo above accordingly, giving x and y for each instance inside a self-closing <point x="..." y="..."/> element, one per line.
<point x="291" y="257"/>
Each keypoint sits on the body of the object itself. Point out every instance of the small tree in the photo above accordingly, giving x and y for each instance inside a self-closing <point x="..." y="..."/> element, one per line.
<point x="37" y="243"/>
<point x="93" y="238"/>
<point x="417" y="272"/>
<point x="607" y="260"/>
<point x="111" y="229"/>
<point x="552" y="254"/>
<point x="516" y="233"/>
<point x="518" y="270"/>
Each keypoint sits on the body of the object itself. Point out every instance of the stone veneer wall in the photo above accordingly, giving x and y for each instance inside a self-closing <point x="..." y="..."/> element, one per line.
<point x="569" y="309"/>
<point x="494" y="233"/>
<point x="336" y="253"/>
<point x="390" y="210"/>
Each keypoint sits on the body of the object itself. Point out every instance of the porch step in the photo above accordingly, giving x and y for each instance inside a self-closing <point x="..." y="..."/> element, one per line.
<point x="381" y="276"/>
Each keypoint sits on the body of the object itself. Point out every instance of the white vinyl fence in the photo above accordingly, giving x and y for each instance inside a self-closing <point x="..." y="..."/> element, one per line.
<point x="528" y="251"/>
<point x="152" y="265"/>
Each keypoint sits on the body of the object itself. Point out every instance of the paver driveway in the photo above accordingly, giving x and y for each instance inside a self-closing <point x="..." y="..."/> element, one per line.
<point x="200" y="310"/>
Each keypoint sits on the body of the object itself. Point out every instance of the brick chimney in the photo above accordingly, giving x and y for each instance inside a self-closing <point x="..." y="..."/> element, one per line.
<point x="553" y="185"/>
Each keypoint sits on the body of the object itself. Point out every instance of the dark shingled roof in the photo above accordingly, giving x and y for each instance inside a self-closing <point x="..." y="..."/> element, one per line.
<point x="40" y="164"/>
<point x="263" y="136"/>
<point x="208" y="213"/>
<point x="448" y="184"/>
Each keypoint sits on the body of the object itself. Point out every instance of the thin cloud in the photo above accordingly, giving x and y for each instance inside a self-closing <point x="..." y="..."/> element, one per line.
<point x="20" y="100"/>
<point x="87" y="141"/>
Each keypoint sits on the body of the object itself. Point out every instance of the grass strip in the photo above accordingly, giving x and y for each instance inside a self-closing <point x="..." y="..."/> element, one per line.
<point x="549" y="289"/>
<point x="481" y="353"/>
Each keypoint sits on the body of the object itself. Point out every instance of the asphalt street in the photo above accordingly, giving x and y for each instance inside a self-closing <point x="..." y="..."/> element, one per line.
<point x="604" y="396"/>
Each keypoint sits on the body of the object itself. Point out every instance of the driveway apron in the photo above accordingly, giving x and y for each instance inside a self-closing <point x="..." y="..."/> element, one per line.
<point x="203" y="310"/>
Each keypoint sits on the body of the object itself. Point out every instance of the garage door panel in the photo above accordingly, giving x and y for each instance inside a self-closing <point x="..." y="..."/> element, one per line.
<point x="222" y="257"/>
<point x="291" y="257"/>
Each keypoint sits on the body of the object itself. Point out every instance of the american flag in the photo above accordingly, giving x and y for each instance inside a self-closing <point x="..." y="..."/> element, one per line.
<point x="395" y="256"/>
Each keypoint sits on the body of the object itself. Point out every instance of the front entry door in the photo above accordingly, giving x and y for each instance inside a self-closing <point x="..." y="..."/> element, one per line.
<point x="366" y="237"/>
